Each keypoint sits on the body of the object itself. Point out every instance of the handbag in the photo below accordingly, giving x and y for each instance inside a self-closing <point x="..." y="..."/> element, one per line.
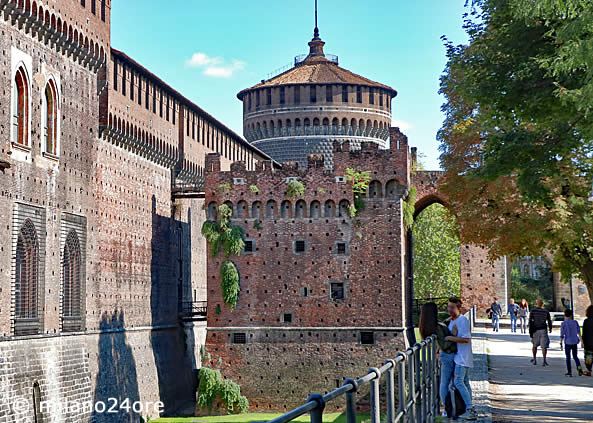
<point x="454" y="404"/>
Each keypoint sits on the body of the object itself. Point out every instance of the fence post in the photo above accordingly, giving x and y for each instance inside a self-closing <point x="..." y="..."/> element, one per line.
<point x="424" y="370"/>
<point x="418" y="383"/>
<point x="435" y="380"/>
<point x="375" y="409"/>
<point x="317" y="412"/>
<point x="401" y="381"/>
<point x="411" y="386"/>
<point x="351" y="401"/>
<point x="390" y="392"/>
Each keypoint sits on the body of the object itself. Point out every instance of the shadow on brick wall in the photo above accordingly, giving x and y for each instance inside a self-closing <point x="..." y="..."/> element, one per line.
<point x="173" y="348"/>
<point x="116" y="379"/>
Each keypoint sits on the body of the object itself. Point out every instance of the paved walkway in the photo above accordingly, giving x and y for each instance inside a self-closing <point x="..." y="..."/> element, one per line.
<point x="521" y="392"/>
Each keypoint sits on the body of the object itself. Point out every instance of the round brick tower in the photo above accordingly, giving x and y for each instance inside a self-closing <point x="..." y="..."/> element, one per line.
<point x="304" y="110"/>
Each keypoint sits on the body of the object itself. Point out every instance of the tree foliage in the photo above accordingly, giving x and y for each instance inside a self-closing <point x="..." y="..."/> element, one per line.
<point x="517" y="139"/>
<point x="436" y="254"/>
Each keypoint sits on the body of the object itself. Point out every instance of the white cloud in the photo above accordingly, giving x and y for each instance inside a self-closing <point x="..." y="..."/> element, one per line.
<point x="202" y="59"/>
<point x="402" y="125"/>
<point x="214" y="66"/>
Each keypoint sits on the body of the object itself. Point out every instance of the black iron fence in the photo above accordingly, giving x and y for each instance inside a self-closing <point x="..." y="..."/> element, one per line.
<point x="193" y="310"/>
<point x="417" y="372"/>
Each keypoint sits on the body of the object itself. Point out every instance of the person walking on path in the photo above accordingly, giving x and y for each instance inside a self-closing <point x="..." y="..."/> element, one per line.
<point x="539" y="322"/>
<point x="429" y="325"/>
<point x="570" y="333"/>
<point x="463" y="358"/>
<point x="513" y="309"/>
<point x="522" y="313"/>
<point x="496" y="311"/>
<point x="587" y="339"/>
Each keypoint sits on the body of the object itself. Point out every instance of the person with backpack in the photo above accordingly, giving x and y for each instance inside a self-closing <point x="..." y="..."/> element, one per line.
<point x="463" y="356"/>
<point x="512" y="311"/>
<point x="539" y="322"/>
<point x="523" y="313"/>
<point x="496" y="310"/>
<point x="587" y="338"/>
<point x="570" y="333"/>
<point x="429" y="325"/>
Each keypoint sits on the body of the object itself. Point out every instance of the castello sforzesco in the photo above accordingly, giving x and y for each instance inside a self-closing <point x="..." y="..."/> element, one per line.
<point x="109" y="289"/>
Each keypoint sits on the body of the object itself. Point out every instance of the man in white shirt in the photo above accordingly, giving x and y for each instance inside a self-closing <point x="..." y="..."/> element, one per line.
<point x="460" y="328"/>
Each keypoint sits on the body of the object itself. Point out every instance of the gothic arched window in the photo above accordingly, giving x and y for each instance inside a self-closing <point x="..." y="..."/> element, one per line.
<point x="20" y="108"/>
<point x="50" y="119"/>
<point x="72" y="283"/>
<point x="27" y="272"/>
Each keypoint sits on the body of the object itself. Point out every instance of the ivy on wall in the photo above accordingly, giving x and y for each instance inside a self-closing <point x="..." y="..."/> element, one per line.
<point x="229" y="238"/>
<point x="213" y="387"/>
<point x="360" y="186"/>
<point x="408" y="208"/>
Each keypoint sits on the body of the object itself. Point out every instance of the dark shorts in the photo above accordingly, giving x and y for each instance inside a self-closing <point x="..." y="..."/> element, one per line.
<point x="541" y="338"/>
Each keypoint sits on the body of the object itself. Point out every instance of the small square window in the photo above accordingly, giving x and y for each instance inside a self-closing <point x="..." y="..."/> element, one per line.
<point x="286" y="317"/>
<point x="341" y="248"/>
<point x="299" y="246"/>
<point x="239" y="338"/>
<point x="249" y="246"/>
<point x="238" y="181"/>
<point x="337" y="290"/>
<point x="341" y="179"/>
<point x="367" y="338"/>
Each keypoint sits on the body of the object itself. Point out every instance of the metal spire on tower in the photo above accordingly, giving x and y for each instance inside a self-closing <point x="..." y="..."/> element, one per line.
<point x="316" y="32"/>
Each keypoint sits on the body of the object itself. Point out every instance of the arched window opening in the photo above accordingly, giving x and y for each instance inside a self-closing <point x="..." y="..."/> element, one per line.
<point x="329" y="209"/>
<point x="300" y="208"/>
<point x="242" y="209"/>
<point x="375" y="190"/>
<point x="286" y="209"/>
<point x="343" y="209"/>
<point x="20" y="108"/>
<point x="36" y="403"/>
<point x="71" y="284"/>
<point x="27" y="277"/>
<point x="50" y="121"/>
<point x="256" y="210"/>
<point x="270" y="209"/>
<point x="315" y="210"/>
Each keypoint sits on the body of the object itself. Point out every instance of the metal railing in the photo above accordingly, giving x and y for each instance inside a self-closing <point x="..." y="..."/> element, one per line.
<point x="193" y="309"/>
<point x="417" y="371"/>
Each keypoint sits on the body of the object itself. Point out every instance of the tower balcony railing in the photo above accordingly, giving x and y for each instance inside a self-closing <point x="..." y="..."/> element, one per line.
<point x="331" y="130"/>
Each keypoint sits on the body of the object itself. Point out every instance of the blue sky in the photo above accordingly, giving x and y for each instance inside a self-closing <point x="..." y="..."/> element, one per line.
<point x="236" y="43"/>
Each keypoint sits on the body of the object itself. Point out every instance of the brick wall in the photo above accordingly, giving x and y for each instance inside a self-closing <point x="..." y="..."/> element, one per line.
<point x="322" y="330"/>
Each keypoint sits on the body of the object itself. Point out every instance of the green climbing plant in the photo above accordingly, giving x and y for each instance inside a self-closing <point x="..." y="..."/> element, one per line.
<point x="360" y="185"/>
<point x="212" y="387"/>
<point x="225" y="187"/>
<point x="229" y="275"/>
<point x="229" y="238"/>
<point x="253" y="189"/>
<point x="408" y="208"/>
<point x="294" y="189"/>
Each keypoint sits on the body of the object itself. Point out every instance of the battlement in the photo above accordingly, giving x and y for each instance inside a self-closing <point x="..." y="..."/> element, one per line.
<point x="59" y="24"/>
<point x="268" y="183"/>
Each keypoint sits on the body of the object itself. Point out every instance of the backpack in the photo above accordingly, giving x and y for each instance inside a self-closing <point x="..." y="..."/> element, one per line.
<point x="442" y="332"/>
<point x="454" y="404"/>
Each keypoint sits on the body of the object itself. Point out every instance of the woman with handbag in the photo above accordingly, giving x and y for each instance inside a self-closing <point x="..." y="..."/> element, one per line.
<point x="430" y="325"/>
